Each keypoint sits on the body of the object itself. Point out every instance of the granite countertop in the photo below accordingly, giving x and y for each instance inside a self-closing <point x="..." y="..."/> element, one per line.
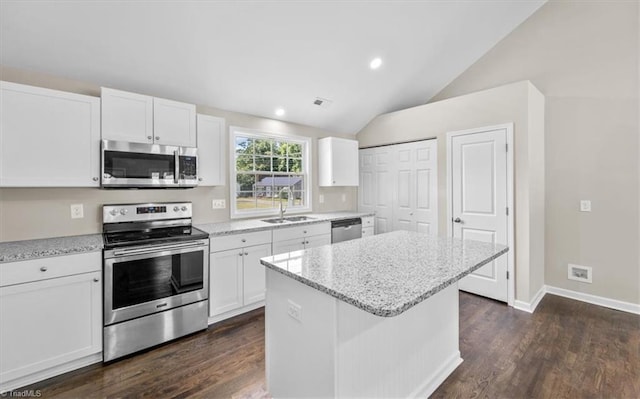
<point x="250" y="225"/>
<point x="388" y="273"/>
<point x="30" y="249"/>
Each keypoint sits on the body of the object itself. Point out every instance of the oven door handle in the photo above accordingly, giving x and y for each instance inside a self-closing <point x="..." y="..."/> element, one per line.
<point x="158" y="248"/>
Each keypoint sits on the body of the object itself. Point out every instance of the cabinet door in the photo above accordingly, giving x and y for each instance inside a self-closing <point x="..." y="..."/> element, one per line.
<point x="48" y="138"/>
<point x="367" y="232"/>
<point x="254" y="273"/>
<point x="337" y="162"/>
<point x="281" y="247"/>
<point x="48" y="323"/>
<point x="225" y="281"/>
<point x="317" y="241"/>
<point x="127" y="116"/>
<point x="211" y="151"/>
<point x="174" y="123"/>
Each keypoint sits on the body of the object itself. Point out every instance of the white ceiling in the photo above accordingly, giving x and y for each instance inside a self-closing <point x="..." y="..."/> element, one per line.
<point x="255" y="56"/>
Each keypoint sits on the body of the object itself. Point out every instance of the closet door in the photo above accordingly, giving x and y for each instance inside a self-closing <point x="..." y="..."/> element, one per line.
<point x="399" y="182"/>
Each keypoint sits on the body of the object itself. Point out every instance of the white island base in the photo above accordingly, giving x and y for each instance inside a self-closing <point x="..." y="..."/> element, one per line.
<point x="336" y="350"/>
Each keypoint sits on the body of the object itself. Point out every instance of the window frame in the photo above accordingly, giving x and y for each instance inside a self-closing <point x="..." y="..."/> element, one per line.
<point x="307" y="142"/>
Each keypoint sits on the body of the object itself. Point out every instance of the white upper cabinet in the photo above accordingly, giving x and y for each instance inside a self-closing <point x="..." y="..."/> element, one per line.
<point x="48" y="138"/>
<point x="138" y="118"/>
<point x="174" y="123"/>
<point x="337" y="162"/>
<point x="127" y="116"/>
<point x="211" y="151"/>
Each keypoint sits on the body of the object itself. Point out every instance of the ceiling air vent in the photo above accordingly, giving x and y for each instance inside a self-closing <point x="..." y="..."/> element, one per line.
<point x="322" y="102"/>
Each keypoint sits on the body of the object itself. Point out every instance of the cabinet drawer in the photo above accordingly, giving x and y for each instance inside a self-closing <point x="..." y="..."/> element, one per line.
<point x="223" y="243"/>
<point x="367" y="221"/>
<point x="46" y="268"/>
<point x="306" y="230"/>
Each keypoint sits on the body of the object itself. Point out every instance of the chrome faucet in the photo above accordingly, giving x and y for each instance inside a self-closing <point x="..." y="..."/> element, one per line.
<point x="290" y="194"/>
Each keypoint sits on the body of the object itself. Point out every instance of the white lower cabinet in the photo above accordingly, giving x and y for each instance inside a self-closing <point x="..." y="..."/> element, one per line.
<point x="50" y="322"/>
<point x="236" y="278"/>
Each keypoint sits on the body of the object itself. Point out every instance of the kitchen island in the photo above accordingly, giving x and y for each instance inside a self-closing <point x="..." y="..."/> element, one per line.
<point x="374" y="317"/>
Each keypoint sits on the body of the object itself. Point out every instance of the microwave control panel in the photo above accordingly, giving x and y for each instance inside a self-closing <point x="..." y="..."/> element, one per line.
<point x="188" y="167"/>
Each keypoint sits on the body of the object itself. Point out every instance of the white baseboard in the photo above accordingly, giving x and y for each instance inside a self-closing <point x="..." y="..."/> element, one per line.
<point x="594" y="299"/>
<point x="530" y="307"/>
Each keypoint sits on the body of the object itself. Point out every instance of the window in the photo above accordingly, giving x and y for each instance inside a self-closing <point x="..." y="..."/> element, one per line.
<point x="268" y="170"/>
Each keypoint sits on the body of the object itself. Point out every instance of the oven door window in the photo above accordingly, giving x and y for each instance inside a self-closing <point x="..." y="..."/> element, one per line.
<point x="144" y="280"/>
<point x="133" y="165"/>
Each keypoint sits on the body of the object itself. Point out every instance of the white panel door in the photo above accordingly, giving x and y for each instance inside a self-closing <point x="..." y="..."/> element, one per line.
<point x="415" y="201"/>
<point x="211" y="151"/>
<point x="383" y="189"/>
<point x="479" y="204"/>
<point x="174" y="123"/>
<point x="127" y="116"/>
<point x="254" y="273"/>
<point x="366" y="188"/>
<point x="225" y="281"/>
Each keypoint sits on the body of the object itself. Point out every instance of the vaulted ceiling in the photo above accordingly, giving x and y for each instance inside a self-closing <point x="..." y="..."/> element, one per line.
<point x="256" y="56"/>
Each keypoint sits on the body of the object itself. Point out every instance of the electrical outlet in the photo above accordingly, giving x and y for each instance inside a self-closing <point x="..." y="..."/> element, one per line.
<point x="585" y="206"/>
<point x="294" y="310"/>
<point x="579" y="273"/>
<point x="218" y="204"/>
<point x="344" y="197"/>
<point x="321" y="199"/>
<point x="77" y="211"/>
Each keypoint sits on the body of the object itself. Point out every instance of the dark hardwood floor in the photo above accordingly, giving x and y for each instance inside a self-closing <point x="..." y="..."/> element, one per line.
<point x="566" y="349"/>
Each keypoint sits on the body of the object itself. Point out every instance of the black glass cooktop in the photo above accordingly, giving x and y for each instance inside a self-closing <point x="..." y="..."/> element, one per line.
<point x="152" y="236"/>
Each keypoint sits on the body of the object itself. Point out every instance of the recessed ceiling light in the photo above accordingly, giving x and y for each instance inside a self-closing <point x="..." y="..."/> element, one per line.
<point x="279" y="112"/>
<point x="375" y="63"/>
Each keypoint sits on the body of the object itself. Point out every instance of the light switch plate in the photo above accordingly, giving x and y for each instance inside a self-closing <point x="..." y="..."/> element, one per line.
<point x="321" y="199"/>
<point x="77" y="211"/>
<point x="344" y="197"/>
<point x="585" y="206"/>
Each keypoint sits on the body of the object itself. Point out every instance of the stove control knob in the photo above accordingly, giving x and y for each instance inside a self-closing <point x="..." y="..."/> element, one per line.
<point x="114" y="212"/>
<point x="123" y="212"/>
<point x="176" y="209"/>
<point x="184" y="209"/>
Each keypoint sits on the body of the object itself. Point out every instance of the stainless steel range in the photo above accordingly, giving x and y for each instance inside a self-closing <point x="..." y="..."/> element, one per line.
<point x="155" y="276"/>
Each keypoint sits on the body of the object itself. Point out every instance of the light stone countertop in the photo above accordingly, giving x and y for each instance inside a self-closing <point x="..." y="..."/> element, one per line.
<point x="251" y="225"/>
<point x="388" y="273"/>
<point x="15" y="251"/>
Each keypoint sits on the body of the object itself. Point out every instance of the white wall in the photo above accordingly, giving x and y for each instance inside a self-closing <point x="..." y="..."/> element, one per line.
<point x="28" y="213"/>
<point x="585" y="58"/>
<point x="520" y="103"/>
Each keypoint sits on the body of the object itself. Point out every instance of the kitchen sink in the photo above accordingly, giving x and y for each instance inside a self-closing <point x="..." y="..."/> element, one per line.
<point x="288" y="219"/>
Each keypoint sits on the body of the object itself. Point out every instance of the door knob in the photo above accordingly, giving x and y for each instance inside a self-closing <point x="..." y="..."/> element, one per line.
<point x="457" y="220"/>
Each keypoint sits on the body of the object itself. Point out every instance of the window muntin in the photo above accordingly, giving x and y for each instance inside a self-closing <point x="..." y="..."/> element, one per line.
<point x="265" y="164"/>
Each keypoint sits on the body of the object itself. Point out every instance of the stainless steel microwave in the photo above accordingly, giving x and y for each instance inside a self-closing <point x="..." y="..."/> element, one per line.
<point x="139" y="165"/>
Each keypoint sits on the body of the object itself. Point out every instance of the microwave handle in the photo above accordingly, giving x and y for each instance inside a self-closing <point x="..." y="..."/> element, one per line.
<point x="176" y="174"/>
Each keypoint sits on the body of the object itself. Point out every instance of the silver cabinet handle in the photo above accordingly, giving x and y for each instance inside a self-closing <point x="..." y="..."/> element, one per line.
<point x="43" y="269"/>
<point x="457" y="220"/>
<point x="240" y="254"/>
<point x="157" y="137"/>
<point x="244" y="240"/>
<point x="304" y="232"/>
<point x="95" y="179"/>
<point x="96" y="279"/>
<point x="199" y="178"/>
<point x="149" y="137"/>
<point x="246" y="253"/>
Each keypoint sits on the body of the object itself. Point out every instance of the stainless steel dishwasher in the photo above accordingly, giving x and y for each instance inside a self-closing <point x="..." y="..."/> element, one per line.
<point x="346" y="229"/>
